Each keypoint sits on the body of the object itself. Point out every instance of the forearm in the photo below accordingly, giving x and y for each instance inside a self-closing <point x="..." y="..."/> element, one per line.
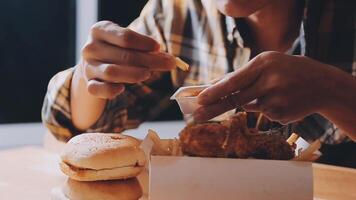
<point x="341" y="106"/>
<point x="56" y="112"/>
<point x="86" y="108"/>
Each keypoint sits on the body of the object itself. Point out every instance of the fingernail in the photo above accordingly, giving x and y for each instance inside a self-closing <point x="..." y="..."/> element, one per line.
<point x="158" y="46"/>
<point x="197" y="116"/>
<point x="201" y="98"/>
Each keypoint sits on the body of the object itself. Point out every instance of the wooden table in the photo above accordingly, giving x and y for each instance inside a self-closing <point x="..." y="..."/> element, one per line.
<point x="30" y="172"/>
<point x="16" y="135"/>
<point x="332" y="182"/>
<point x="29" y="158"/>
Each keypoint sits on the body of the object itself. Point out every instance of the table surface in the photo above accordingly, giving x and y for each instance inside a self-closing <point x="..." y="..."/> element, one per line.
<point x="16" y="135"/>
<point x="29" y="157"/>
<point x="31" y="172"/>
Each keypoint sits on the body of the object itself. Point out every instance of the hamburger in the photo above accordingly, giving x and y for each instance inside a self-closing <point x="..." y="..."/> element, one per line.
<point x="98" y="156"/>
<point x="128" y="189"/>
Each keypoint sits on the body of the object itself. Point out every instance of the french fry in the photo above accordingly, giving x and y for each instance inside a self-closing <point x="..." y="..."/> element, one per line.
<point x="175" y="147"/>
<point x="158" y="147"/>
<point x="308" y="153"/>
<point x="259" y="121"/>
<point x="313" y="158"/>
<point x="181" y="64"/>
<point x="154" y="136"/>
<point x="164" y="146"/>
<point x="292" y="139"/>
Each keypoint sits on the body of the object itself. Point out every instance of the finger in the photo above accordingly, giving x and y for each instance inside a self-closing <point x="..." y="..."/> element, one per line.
<point x="232" y="101"/>
<point x="205" y="113"/>
<point x="285" y="122"/>
<point x="254" y="106"/>
<point x="106" y="53"/>
<point x="105" y="90"/>
<point x="111" y="33"/>
<point x="258" y="105"/>
<point x="233" y="82"/>
<point x="120" y="73"/>
<point x="215" y="80"/>
<point x="266" y="106"/>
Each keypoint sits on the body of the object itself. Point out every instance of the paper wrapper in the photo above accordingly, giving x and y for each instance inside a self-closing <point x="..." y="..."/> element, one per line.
<point x="153" y="145"/>
<point x="183" y="177"/>
<point x="174" y="176"/>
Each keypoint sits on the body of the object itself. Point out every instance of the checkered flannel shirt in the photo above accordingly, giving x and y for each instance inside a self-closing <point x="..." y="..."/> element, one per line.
<point x="212" y="44"/>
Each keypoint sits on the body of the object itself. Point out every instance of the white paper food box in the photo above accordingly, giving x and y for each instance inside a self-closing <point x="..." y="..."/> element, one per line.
<point x="177" y="178"/>
<point x="182" y="177"/>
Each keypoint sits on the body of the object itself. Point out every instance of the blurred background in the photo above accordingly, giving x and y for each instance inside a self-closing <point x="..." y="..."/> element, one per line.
<point x="39" y="38"/>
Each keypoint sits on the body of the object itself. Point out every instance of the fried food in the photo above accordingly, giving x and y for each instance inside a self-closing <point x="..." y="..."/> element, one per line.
<point x="206" y="140"/>
<point x="181" y="64"/>
<point x="232" y="138"/>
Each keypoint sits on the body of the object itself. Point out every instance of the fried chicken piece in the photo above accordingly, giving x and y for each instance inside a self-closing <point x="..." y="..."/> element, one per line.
<point x="206" y="139"/>
<point x="246" y="142"/>
<point x="260" y="146"/>
<point x="232" y="138"/>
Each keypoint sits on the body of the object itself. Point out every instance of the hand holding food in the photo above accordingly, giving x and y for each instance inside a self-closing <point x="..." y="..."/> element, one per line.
<point x="284" y="88"/>
<point x="114" y="56"/>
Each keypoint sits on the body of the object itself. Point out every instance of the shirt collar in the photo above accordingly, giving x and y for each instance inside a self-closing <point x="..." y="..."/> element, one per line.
<point x="232" y="32"/>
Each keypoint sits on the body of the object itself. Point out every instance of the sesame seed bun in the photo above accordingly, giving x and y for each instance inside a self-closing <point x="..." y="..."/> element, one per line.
<point x="128" y="189"/>
<point x="98" y="156"/>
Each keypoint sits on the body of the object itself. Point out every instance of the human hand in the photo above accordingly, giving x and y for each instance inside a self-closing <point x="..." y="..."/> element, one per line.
<point x="114" y="56"/>
<point x="284" y="88"/>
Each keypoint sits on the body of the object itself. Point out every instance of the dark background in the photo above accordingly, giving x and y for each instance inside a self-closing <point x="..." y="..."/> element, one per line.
<point x="119" y="12"/>
<point x="37" y="40"/>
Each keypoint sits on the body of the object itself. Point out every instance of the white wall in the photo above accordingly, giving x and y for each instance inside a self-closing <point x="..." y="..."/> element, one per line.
<point x="87" y="15"/>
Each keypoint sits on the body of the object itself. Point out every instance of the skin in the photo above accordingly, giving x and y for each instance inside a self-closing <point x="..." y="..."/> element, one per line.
<point x="284" y="88"/>
<point x="308" y="87"/>
<point x="112" y="57"/>
<point x="241" y="8"/>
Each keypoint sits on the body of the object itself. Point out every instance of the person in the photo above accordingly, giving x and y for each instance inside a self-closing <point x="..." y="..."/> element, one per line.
<point x="291" y="60"/>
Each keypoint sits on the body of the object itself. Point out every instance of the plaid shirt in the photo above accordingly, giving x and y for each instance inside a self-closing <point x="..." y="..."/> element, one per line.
<point x="213" y="45"/>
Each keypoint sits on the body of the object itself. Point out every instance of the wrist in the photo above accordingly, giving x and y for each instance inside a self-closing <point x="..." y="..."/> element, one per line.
<point x="85" y="107"/>
<point x="341" y="110"/>
<point x="79" y="86"/>
<point x="339" y="93"/>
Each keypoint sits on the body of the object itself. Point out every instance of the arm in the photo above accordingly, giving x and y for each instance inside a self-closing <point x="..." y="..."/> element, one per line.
<point x="89" y="97"/>
<point x="285" y="89"/>
<point x="100" y="93"/>
<point x="341" y="108"/>
<point x="113" y="58"/>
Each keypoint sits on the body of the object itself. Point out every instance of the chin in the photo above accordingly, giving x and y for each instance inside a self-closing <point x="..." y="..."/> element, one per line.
<point x="240" y="8"/>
